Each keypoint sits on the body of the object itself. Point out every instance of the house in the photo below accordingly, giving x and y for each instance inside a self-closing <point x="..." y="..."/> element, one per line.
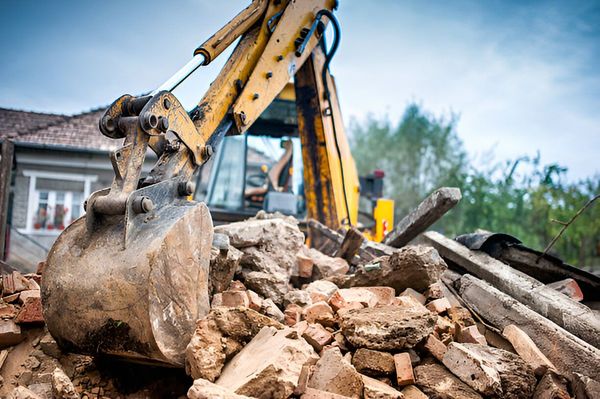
<point x="60" y="160"/>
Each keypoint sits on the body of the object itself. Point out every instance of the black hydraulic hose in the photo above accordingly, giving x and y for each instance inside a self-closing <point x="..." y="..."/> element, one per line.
<point x="328" y="57"/>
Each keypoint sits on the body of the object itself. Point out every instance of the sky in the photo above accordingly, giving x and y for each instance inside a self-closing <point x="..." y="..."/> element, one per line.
<point x="523" y="76"/>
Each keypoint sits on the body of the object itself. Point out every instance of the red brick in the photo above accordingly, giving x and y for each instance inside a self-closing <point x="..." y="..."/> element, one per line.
<point x="356" y="294"/>
<point x="470" y="335"/>
<point x="7" y="311"/>
<point x="435" y="347"/>
<point x="319" y="312"/>
<point x="318" y="297"/>
<point x="31" y="312"/>
<point x="317" y="336"/>
<point x="439" y="305"/>
<point x="385" y="295"/>
<point x="255" y="301"/>
<point x="292" y="314"/>
<point x="404" y="370"/>
<point x="23" y="295"/>
<point x="13" y="283"/>
<point x="305" y="265"/>
<point x="569" y="287"/>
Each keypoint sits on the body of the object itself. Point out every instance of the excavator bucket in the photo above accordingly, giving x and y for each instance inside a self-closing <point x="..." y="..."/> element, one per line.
<point x="130" y="278"/>
<point x="136" y="298"/>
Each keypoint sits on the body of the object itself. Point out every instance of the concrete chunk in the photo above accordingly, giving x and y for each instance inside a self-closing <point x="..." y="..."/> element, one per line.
<point x="204" y="389"/>
<point x="416" y="267"/>
<point x="62" y="387"/>
<point x="375" y="389"/>
<point x="437" y="382"/>
<point x="373" y="363"/>
<point x="268" y="366"/>
<point x="551" y="386"/>
<point x="333" y="374"/>
<point x="386" y="327"/>
<point x="412" y="392"/>
<point x="206" y="353"/>
<point x="490" y="371"/>
<point x="10" y="333"/>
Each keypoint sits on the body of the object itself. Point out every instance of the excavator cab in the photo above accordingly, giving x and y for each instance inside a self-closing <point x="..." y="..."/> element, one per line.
<point x="131" y="277"/>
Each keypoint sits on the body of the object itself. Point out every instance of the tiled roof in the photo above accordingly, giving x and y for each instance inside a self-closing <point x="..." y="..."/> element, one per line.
<point x="77" y="131"/>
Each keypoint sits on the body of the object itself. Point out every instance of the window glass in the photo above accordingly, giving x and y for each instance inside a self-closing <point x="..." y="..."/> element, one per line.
<point x="57" y="203"/>
<point x="227" y="180"/>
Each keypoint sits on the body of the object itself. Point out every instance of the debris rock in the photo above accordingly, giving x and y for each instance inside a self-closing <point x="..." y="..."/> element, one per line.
<point x="375" y="389"/>
<point x="471" y="335"/>
<point x="334" y="375"/>
<point x="10" y="333"/>
<point x="269" y="366"/>
<point x="436" y="381"/>
<point x="317" y="336"/>
<point x="528" y="350"/>
<point x="490" y="371"/>
<point x="404" y="370"/>
<point x="21" y="392"/>
<point x="461" y="316"/>
<point x="292" y="314"/>
<point x="416" y="295"/>
<point x="435" y="347"/>
<point x="270" y="309"/>
<point x="584" y="387"/>
<point x="273" y="286"/>
<point x="439" y="305"/>
<point x="326" y="266"/>
<point x="324" y="287"/>
<point x="206" y="352"/>
<point x="31" y="312"/>
<point x="373" y="363"/>
<point x="298" y="297"/>
<point x="386" y="327"/>
<point x="551" y="386"/>
<point x="62" y="387"/>
<point x="319" y="312"/>
<point x="233" y="299"/>
<point x="416" y="267"/>
<point x="223" y="265"/>
<point x="13" y="283"/>
<point x="312" y="393"/>
<point x="412" y="392"/>
<point x="204" y="389"/>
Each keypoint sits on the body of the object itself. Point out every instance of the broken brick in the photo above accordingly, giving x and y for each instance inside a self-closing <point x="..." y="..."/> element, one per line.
<point x="10" y="333"/>
<point x="416" y="295"/>
<point x="569" y="287"/>
<point x="254" y="300"/>
<point x="292" y="314"/>
<point x="319" y="312"/>
<point x="317" y="336"/>
<point x="333" y="374"/>
<point x="375" y="389"/>
<point x="373" y="363"/>
<point x="31" y="312"/>
<point x="527" y="349"/>
<point x="439" y="305"/>
<point x="435" y="347"/>
<point x="404" y="370"/>
<point x="470" y="335"/>
<point x="236" y="298"/>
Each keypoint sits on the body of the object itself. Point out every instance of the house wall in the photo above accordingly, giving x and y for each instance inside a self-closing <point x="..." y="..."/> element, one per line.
<point x="27" y="246"/>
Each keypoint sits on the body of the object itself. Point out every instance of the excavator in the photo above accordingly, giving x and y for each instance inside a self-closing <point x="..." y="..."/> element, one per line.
<point x="130" y="277"/>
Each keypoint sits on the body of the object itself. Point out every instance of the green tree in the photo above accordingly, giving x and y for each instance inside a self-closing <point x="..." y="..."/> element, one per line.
<point x="418" y="155"/>
<point x="518" y="197"/>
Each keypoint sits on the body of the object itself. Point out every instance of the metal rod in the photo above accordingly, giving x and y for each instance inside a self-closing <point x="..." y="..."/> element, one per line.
<point x="182" y="74"/>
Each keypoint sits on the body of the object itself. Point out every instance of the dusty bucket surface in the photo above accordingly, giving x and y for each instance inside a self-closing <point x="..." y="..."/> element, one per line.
<point x="138" y="301"/>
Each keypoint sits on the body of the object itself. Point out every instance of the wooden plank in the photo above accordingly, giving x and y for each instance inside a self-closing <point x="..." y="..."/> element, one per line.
<point x="351" y="244"/>
<point x="6" y="162"/>
<point x="429" y="211"/>
<point x="566" y="351"/>
<point x="572" y="316"/>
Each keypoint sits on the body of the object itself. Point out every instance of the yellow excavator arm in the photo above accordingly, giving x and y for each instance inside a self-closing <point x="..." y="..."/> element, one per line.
<point x="135" y="267"/>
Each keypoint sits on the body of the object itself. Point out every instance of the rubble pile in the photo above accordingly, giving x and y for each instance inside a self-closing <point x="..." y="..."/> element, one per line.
<point x="287" y="320"/>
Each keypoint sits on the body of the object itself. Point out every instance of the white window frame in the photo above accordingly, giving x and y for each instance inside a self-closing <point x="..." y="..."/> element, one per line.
<point x="33" y="199"/>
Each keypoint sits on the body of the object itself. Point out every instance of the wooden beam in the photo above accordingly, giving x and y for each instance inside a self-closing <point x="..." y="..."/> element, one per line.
<point x="574" y="317"/>
<point x="427" y="213"/>
<point x="351" y="244"/>
<point x="6" y="162"/>
<point x="567" y="352"/>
